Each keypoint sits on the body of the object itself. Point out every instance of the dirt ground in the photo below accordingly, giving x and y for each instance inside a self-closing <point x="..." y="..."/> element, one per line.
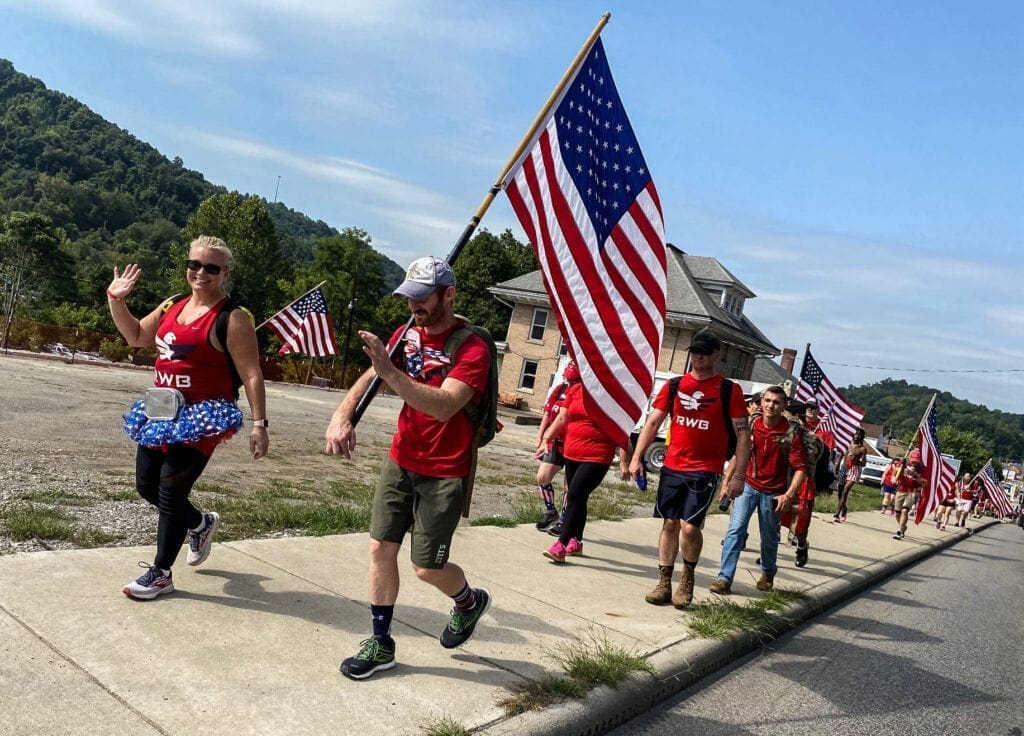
<point x="61" y="442"/>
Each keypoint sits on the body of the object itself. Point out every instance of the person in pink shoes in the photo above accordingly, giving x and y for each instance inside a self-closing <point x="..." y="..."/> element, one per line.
<point x="588" y="452"/>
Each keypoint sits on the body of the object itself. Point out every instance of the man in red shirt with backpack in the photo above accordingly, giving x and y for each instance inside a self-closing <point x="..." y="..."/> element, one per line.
<point x="421" y="486"/>
<point x="774" y="474"/>
<point x="703" y="409"/>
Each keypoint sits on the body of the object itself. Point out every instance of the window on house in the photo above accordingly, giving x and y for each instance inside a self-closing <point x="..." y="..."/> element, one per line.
<point x="741" y="364"/>
<point x="733" y="304"/>
<point x="563" y="349"/>
<point x="528" y="375"/>
<point x="540" y="323"/>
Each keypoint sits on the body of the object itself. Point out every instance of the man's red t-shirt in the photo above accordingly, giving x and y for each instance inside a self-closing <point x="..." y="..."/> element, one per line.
<point x="699" y="438"/>
<point x="771" y="458"/>
<point x="584" y="441"/>
<point x="423" y="444"/>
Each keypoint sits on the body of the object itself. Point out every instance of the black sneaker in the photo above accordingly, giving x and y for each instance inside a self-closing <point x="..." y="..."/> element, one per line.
<point x="898" y="535"/>
<point x="549" y="518"/>
<point x="374" y="655"/>
<point x="461" y="625"/>
<point x="555" y="530"/>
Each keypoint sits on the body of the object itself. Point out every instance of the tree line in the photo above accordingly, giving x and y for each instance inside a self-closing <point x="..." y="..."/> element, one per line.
<point x="79" y="195"/>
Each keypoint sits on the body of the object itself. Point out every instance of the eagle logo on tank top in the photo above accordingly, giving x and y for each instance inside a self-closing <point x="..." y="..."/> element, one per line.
<point x="169" y="351"/>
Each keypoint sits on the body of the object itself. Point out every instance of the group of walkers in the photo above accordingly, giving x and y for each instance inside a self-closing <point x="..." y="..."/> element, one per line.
<point x="774" y="451"/>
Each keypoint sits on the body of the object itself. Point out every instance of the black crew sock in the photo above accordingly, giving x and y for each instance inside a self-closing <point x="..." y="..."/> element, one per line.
<point x="690" y="566"/>
<point x="381" y="616"/>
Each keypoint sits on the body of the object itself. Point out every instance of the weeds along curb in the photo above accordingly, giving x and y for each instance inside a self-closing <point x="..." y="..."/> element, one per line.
<point x="687" y="662"/>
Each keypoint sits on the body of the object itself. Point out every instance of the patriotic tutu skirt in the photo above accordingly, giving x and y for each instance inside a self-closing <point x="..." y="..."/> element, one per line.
<point x="202" y="425"/>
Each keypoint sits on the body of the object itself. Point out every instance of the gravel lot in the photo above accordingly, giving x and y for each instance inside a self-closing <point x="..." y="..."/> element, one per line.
<point x="61" y="444"/>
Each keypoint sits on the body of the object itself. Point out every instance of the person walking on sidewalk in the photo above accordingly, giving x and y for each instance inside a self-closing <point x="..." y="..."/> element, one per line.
<point x="855" y="459"/>
<point x="775" y="472"/>
<point x="889" y="478"/>
<point x="552" y="460"/>
<point x="908" y="489"/>
<point x="967" y="494"/>
<point x="708" y="416"/>
<point x="797" y="517"/>
<point x="588" y="452"/>
<point x="206" y="349"/>
<point x="420" y="488"/>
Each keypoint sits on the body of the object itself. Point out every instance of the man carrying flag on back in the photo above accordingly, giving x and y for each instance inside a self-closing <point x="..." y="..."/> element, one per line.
<point x="837" y="415"/>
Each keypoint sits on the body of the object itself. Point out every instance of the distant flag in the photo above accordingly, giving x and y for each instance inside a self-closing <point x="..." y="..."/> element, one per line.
<point x="304" y="326"/>
<point x="941" y="476"/>
<point x="835" y="411"/>
<point x="995" y="491"/>
<point x="585" y="198"/>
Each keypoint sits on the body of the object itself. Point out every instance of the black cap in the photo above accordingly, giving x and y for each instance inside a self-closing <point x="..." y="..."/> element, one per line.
<point x="705" y="342"/>
<point x="812" y="404"/>
<point x="797" y="407"/>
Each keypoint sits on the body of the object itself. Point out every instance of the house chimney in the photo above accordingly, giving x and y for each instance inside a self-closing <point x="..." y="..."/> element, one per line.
<point x="788" y="360"/>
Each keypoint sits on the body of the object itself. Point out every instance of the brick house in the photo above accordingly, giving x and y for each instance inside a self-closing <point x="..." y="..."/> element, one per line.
<point x="700" y="293"/>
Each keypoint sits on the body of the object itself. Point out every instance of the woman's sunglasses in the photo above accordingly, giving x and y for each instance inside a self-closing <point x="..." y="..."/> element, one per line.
<point x="211" y="268"/>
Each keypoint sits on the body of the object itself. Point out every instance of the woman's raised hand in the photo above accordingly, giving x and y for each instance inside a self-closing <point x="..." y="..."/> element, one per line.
<point x="124" y="283"/>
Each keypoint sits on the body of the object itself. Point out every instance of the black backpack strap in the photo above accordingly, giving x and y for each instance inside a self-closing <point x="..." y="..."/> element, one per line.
<point x="673" y="390"/>
<point x="726" y="399"/>
<point x="221" y="328"/>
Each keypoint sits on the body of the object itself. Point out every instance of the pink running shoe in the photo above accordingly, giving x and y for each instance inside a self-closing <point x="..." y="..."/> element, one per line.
<point x="574" y="548"/>
<point x="556" y="552"/>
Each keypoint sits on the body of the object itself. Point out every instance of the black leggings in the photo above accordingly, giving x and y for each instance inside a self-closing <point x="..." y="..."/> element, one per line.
<point x="581" y="480"/>
<point x="165" y="479"/>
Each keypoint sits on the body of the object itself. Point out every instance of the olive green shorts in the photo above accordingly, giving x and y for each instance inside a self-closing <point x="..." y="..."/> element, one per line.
<point x="429" y="507"/>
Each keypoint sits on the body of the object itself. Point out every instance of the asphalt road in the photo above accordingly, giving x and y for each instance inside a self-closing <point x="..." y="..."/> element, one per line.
<point x="937" y="649"/>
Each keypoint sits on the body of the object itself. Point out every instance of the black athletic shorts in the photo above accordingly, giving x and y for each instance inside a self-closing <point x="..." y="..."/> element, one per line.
<point x="685" y="496"/>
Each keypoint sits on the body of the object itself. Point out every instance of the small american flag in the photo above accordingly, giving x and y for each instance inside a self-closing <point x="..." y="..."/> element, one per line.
<point x="836" y="413"/>
<point x="586" y="200"/>
<point x="994" y="489"/>
<point x="304" y="326"/>
<point x="941" y="476"/>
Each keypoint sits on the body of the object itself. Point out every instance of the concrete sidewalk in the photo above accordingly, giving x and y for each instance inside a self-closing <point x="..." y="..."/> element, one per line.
<point x="250" y="642"/>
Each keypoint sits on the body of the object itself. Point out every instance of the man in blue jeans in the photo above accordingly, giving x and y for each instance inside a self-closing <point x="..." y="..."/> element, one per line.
<point x="775" y="472"/>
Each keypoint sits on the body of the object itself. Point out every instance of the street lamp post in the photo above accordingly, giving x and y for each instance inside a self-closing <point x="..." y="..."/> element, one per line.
<point x="348" y="332"/>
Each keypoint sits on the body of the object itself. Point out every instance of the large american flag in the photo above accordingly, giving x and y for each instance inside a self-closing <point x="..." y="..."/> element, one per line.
<point x="941" y="476"/>
<point x="995" y="491"/>
<point x="835" y="412"/>
<point x="585" y="198"/>
<point x="304" y="326"/>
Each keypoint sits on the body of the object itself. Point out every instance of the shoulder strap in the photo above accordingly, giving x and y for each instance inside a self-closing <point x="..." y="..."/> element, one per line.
<point x="673" y="389"/>
<point x="726" y="400"/>
<point x="221" y="328"/>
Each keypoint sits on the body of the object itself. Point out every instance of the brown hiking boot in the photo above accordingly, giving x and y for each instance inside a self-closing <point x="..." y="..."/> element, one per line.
<point x="662" y="592"/>
<point x="684" y="592"/>
<point x="767" y="582"/>
<point x="721" y="587"/>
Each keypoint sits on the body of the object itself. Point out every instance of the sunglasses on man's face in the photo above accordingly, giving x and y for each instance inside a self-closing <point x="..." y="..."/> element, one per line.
<point x="211" y="268"/>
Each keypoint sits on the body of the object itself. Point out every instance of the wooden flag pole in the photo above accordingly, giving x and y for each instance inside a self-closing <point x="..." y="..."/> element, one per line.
<point x="261" y="324"/>
<point x="498" y="185"/>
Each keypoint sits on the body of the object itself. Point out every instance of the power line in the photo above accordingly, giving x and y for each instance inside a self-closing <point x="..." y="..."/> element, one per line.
<point x="924" y="370"/>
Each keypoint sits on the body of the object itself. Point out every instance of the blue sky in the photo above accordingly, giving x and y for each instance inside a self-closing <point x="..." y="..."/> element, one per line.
<point x="858" y="165"/>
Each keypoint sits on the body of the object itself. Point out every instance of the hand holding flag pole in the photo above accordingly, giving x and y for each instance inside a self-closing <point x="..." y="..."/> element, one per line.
<point x="499" y="183"/>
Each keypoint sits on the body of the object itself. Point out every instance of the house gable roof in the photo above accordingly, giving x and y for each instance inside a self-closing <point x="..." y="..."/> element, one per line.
<point x="687" y="302"/>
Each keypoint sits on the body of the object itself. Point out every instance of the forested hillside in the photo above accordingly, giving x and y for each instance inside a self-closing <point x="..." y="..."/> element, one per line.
<point x="79" y="195"/>
<point x="898" y="406"/>
<point x="98" y="191"/>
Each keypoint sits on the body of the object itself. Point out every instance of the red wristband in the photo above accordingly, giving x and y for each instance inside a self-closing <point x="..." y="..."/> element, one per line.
<point x="111" y="296"/>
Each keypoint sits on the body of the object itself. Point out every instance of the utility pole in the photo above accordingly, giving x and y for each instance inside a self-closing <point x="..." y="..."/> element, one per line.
<point x="276" y="189"/>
